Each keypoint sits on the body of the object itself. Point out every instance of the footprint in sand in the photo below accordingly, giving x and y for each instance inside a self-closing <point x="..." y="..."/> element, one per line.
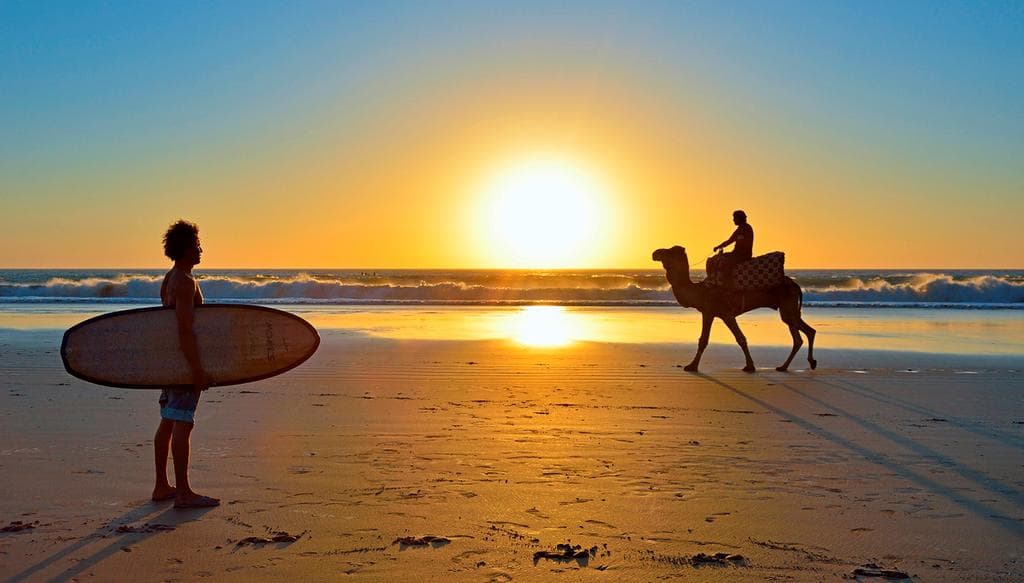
<point x="536" y="512"/>
<point x="472" y="557"/>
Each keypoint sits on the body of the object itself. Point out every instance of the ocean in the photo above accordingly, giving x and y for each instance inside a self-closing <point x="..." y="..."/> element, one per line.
<point x="877" y="289"/>
<point x="948" y="312"/>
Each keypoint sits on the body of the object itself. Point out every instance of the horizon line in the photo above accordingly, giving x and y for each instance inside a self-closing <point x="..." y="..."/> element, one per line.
<point x="322" y="268"/>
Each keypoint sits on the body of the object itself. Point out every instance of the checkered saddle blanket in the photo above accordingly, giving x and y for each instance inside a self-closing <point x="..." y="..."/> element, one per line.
<point x="761" y="272"/>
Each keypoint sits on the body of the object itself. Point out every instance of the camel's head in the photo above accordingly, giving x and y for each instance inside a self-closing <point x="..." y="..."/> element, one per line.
<point x="671" y="257"/>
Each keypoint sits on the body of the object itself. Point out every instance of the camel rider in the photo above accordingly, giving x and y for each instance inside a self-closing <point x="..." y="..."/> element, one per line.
<point x="743" y="237"/>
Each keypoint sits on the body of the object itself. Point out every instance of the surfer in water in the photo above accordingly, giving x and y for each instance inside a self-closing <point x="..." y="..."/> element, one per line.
<point x="178" y="406"/>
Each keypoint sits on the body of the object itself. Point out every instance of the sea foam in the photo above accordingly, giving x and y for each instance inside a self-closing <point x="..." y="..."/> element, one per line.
<point x="509" y="287"/>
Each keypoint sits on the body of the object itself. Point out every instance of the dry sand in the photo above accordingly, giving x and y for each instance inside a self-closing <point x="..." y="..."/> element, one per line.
<point x="503" y="453"/>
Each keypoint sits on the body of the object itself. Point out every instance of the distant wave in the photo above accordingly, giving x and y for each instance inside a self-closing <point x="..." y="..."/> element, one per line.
<point x="516" y="288"/>
<point x="305" y="288"/>
<point x="929" y="288"/>
<point x="90" y="287"/>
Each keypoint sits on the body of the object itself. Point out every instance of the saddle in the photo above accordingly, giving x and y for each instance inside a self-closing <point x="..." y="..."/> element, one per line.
<point x="761" y="272"/>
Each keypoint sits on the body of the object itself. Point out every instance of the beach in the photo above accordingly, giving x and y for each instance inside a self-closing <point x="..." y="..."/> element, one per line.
<point x="589" y="291"/>
<point x="418" y="448"/>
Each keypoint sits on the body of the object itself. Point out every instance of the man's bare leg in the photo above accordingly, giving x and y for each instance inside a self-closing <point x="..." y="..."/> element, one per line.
<point x="163" y="490"/>
<point x="185" y="498"/>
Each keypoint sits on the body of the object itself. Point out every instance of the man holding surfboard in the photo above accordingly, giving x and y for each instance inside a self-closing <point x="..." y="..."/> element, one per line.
<point x="172" y="347"/>
<point x="178" y="406"/>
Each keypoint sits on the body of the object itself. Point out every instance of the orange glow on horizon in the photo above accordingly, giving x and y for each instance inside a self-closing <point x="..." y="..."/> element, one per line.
<point x="401" y="183"/>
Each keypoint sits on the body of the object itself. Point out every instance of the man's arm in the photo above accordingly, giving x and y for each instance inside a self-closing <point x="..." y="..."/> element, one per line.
<point x="184" y="296"/>
<point x="729" y="241"/>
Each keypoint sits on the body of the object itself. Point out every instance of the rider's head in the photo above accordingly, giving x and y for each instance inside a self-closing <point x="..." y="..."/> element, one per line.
<point x="739" y="217"/>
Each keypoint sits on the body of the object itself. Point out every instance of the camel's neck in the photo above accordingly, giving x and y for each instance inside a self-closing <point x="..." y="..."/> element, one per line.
<point x="683" y="287"/>
<point x="678" y="275"/>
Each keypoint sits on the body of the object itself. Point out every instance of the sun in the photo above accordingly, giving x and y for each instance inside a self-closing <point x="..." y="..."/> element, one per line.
<point x="542" y="212"/>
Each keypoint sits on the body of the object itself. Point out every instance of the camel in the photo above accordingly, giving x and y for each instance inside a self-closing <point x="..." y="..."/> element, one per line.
<point x="715" y="302"/>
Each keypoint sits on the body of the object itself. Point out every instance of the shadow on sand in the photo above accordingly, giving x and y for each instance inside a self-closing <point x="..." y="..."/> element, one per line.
<point x="980" y="509"/>
<point x="1002" y="437"/>
<point x="150" y="512"/>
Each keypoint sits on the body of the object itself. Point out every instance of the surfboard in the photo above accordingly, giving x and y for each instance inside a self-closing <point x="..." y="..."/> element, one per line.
<point x="139" y="349"/>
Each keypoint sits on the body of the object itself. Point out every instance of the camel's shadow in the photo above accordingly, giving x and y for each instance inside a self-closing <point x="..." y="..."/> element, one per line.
<point x="980" y="508"/>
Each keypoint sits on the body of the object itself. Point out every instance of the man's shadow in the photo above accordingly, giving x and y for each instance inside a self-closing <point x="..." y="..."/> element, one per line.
<point x="150" y="512"/>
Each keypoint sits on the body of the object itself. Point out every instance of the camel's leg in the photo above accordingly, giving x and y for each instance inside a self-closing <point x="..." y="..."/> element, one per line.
<point x="810" y="332"/>
<point x="789" y="309"/>
<point x="702" y="343"/>
<point x="797" y="343"/>
<point x="742" y="341"/>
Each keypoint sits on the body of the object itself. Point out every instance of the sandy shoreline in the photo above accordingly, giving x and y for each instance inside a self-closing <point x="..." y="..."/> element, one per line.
<point x="506" y="452"/>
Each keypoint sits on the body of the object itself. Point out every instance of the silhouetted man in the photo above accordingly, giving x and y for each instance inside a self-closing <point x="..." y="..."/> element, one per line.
<point x="743" y="237"/>
<point x="178" y="406"/>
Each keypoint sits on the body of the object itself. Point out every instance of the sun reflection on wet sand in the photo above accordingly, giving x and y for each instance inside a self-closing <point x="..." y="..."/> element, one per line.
<point x="543" y="326"/>
<point x="997" y="332"/>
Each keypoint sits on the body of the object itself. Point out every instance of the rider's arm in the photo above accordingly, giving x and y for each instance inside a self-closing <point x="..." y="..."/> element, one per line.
<point x="730" y="240"/>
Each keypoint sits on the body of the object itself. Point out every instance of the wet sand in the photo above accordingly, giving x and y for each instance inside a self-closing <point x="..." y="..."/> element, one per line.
<point x="394" y="460"/>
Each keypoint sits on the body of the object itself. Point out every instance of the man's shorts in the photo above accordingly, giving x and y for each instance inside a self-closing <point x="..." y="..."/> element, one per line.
<point x="178" y="405"/>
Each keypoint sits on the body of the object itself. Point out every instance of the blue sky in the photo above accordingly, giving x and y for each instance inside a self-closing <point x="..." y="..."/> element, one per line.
<point x="922" y="92"/>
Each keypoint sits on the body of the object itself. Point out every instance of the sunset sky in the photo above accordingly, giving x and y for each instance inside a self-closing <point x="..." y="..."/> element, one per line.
<point x="513" y="134"/>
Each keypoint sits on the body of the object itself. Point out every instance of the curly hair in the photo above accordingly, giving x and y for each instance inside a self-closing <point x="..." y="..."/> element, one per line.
<point x="179" y="237"/>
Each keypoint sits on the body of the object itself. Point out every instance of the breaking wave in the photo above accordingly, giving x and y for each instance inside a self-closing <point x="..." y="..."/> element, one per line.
<point x="303" y="288"/>
<point x="821" y="288"/>
<point x="924" y="288"/>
